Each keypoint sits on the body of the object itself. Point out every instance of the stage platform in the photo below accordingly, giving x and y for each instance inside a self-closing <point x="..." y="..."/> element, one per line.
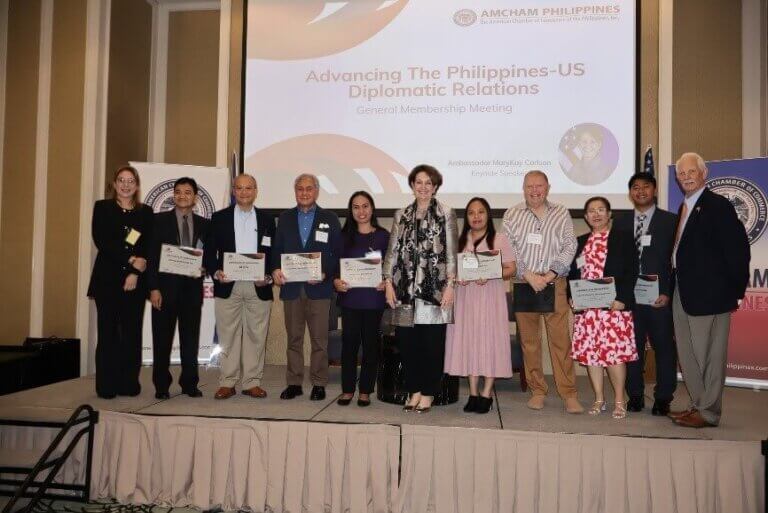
<point x="301" y="455"/>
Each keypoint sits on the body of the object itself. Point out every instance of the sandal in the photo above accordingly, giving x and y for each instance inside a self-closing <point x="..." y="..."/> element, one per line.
<point x="620" y="410"/>
<point x="597" y="408"/>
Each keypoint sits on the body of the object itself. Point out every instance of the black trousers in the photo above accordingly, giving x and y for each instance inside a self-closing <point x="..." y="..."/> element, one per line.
<point x="184" y="306"/>
<point x="656" y="324"/>
<point x="422" y="348"/>
<point x="120" y="318"/>
<point x="360" y="327"/>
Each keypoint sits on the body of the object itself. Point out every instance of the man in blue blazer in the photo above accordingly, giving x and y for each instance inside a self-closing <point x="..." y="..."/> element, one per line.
<point x="711" y="272"/>
<point x="175" y="297"/>
<point x="307" y="228"/>
<point x="654" y="234"/>
<point x="242" y="307"/>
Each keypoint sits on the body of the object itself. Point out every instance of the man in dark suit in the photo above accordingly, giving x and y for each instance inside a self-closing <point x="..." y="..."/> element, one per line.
<point x="711" y="271"/>
<point x="304" y="229"/>
<point x="654" y="234"/>
<point x="242" y="307"/>
<point x="176" y="297"/>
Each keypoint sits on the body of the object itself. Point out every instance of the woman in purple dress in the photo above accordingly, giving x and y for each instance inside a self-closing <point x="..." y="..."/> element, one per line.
<point x="361" y="308"/>
<point x="477" y="343"/>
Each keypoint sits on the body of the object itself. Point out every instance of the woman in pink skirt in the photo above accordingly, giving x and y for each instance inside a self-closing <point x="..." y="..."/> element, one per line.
<point x="477" y="344"/>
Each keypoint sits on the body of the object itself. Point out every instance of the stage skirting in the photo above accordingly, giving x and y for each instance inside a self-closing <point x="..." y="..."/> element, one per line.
<point x="314" y="467"/>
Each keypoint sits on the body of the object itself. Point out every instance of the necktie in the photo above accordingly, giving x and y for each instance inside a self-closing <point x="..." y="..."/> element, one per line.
<point x="185" y="238"/>
<point x="639" y="230"/>
<point x="679" y="232"/>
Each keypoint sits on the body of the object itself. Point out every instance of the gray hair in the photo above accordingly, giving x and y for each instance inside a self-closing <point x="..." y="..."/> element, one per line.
<point x="253" y="179"/>
<point x="312" y="177"/>
<point x="700" y="164"/>
<point x="536" y="172"/>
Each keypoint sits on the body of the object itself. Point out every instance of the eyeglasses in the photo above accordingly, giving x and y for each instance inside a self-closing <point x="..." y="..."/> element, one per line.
<point x="126" y="181"/>
<point x="245" y="188"/>
<point x="599" y="210"/>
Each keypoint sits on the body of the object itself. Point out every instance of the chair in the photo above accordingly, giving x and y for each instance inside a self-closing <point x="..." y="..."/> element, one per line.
<point x="518" y="363"/>
<point x="31" y="463"/>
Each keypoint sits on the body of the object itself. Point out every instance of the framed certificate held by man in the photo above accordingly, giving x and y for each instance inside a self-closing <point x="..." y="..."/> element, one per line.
<point x="361" y="272"/>
<point x="479" y="265"/>
<point x="597" y="293"/>
<point x="647" y="289"/>
<point x="180" y="260"/>
<point x="244" y="266"/>
<point x="301" y="266"/>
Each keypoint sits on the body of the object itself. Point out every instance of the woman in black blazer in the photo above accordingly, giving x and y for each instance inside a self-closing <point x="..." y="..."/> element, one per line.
<point x="121" y="228"/>
<point x="605" y="338"/>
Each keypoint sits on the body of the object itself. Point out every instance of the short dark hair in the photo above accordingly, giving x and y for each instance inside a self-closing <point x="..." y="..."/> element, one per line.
<point x="185" y="180"/>
<point x="598" y="198"/>
<point x="647" y="177"/>
<point x="433" y="174"/>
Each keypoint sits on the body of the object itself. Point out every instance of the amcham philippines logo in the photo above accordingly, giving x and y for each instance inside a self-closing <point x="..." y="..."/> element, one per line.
<point x="748" y="200"/>
<point x="160" y="198"/>
<point x="465" y="17"/>
<point x="280" y="30"/>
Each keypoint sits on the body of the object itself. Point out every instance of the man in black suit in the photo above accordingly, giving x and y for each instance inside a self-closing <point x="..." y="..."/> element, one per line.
<point x="304" y="229"/>
<point x="711" y="271"/>
<point x="242" y="307"/>
<point x="654" y="234"/>
<point x="176" y="297"/>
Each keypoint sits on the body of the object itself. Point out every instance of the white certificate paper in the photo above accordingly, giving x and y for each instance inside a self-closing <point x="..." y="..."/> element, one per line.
<point x="361" y="272"/>
<point x="597" y="293"/>
<point x="482" y="265"/>
<point x="647" y="289"/>
<point x="180" y="260"/>
<point x="244" y="266"/>
<point x="301" y="266"/>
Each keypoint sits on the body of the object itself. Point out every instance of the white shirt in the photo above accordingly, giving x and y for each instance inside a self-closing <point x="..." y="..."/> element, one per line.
<point x="647" y="222"/>
<point x="246" y="231"/>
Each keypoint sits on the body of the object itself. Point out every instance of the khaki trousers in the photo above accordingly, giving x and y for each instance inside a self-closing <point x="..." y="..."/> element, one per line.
<point x="702" y="348"/>
<point x="242" y="322"/>
<point x="559" y="340"/>
<point x="300" y="314"/>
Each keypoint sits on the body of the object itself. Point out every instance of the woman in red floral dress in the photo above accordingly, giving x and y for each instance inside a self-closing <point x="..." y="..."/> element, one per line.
<point x="605" y="338"/>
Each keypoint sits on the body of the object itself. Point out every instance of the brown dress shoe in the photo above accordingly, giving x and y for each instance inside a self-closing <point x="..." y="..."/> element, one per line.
<point x="256" y="392"/>
<point x="674" y="415"/>
<point x="693" y="420"/>
<point x="224" y="393"/>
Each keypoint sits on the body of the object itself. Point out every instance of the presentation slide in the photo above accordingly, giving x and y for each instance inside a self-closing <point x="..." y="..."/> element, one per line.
<point x="359" y="92"/>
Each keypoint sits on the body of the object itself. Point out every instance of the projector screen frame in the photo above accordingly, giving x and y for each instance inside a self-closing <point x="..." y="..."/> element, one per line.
<point x="495" y="212"/>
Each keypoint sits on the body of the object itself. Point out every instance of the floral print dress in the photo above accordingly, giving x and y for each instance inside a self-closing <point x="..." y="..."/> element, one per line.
<point x="601" y="337"/>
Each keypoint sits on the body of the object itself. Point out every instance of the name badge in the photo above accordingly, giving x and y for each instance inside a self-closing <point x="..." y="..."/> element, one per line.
<point x="266" y="241"/>
<point x="373" y="254"/>
<point x="470" y="262"/>
<point x="645" y="241"/>
<point x="534" y="238"/>
<point x="321" y="236"/>
<point x="132" y="237"/>
<point x="581" y="262"/>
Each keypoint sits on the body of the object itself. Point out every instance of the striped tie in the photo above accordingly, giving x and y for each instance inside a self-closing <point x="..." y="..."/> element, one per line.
<point x="639" y="230"/>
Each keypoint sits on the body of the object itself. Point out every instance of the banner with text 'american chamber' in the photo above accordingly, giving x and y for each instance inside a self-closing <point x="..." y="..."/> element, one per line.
<point x="745" y="184"/>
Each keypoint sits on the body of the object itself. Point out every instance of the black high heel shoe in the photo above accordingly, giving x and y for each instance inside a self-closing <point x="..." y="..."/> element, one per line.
<point x="484" y="404"/>
<point x="471" y="405"/>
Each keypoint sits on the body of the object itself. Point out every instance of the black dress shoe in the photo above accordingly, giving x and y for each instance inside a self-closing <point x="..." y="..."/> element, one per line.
<point x="484" y="404"/>
<point x="660" y="408"/>
<point x="343" y="401"/>
<point x="162" y="395"/>
<point x="193" y="392"/>
<point x="318" y="393"/>
<point x="291" y="391"/>
<point x="471" y="405"/>
<point x="363" y="402"/>
<point x="636" y="403"/>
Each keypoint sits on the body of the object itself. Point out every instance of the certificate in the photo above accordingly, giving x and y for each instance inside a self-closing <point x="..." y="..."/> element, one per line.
<point x="361" y="272"/>
<point x="598" y="293"/>
<point x="301" y="266"/>
<point x="481" y="265"/>
<point x="244" y="266"/>
<point x="647" y="289"/>
<point x="180" y="260"/>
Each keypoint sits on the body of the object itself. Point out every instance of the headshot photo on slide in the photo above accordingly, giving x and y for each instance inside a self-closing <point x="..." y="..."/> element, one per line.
<point x="589" y="153"/>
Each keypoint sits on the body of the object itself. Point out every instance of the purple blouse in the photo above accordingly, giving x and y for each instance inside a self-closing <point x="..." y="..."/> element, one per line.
<point x="368" y="298"/>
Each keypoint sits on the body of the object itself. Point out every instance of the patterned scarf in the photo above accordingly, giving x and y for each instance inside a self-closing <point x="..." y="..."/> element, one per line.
<point x="419" y="270"/>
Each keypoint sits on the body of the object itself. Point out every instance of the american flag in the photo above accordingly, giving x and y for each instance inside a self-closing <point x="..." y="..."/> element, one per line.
<point x="648" y="166"/>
